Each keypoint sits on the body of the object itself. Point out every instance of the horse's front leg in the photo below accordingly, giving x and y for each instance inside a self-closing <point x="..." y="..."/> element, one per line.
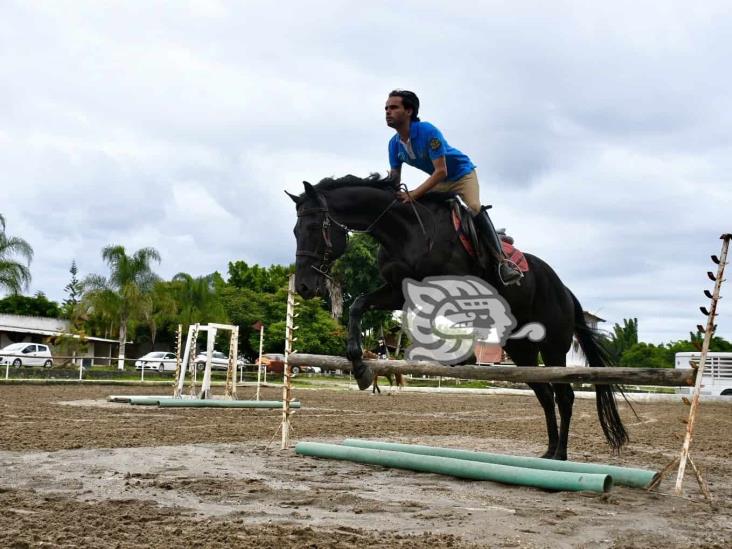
<point x="385" y="298"/>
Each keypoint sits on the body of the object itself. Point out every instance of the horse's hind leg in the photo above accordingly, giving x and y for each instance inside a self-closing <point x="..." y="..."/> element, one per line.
<point x="525" y="353"/>
<point x="564" y="396"/>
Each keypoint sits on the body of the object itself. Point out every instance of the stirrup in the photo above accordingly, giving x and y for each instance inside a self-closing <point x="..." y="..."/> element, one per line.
<point x="509" y="273"/>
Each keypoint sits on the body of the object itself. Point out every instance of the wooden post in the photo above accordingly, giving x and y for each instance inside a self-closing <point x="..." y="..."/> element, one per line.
<point x="178" y="341"/>
<point x="287" y="381"/>
<point x="230" y="392"/>
<point x="259" y="364"/>
<point x="700" y="369"/>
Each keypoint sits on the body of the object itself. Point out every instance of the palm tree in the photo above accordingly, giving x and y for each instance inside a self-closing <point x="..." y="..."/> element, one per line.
<point x="126" y="295"/>
<point x="622" y="338"/>
<point x="14" y="276"/>
<point x="163" y="310"/>
<point x="197" y="299"/>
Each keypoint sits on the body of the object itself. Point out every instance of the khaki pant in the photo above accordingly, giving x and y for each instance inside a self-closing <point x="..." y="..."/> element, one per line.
<point x="467" y="187"/>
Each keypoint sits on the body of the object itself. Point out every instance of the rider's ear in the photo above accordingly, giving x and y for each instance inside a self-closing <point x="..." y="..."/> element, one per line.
<point x="310" y="190"/>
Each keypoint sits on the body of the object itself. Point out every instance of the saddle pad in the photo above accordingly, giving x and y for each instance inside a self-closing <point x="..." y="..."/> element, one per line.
<point x="515" y="255"/>
<point x="467" y="237"/>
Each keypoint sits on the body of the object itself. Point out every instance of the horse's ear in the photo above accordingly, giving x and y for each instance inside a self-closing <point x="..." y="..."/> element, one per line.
<point x="295" y="198"/>
<point x="310" y="190"/>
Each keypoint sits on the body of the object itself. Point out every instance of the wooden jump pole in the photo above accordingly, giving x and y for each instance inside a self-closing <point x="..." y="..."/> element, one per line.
<point x="708" y="333"/>
<point x="668" y="377"/>
<point x="289" y="354"/>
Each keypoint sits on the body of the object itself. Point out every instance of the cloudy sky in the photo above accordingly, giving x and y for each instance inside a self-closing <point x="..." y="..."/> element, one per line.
<point x="601" y="131"/>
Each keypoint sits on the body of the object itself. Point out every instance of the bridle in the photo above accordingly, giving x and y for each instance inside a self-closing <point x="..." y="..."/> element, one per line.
<point x="326" y="257"/>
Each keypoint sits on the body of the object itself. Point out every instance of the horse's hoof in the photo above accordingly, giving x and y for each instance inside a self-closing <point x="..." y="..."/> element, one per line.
<point x="364" y="376"/>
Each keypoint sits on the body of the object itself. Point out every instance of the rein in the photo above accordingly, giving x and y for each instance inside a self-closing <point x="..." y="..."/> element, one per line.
<point x="419" y="219"/>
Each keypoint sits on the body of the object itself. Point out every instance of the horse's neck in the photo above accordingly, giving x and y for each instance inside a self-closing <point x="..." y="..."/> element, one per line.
<point x="393" y="230"/>
<point x="358" y="208"/>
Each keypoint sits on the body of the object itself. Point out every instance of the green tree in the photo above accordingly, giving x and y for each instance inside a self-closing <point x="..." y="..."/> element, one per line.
<point x="197" y="300"/>
<point x="622" y="338"/>
<point x="317" y="333"/>
<point x="645" y="355"/>
<point x="14" y="275"/>
<point x="127" y="294"/>
<point x="259" y="279"/>
<point x="163" y="310"/>
<point x="70" y="343"/>
<point x="73" y="291"/>
<point x="38" y="305"/>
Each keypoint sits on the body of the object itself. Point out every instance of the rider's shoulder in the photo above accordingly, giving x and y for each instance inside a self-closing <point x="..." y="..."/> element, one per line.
<point x="426" y="127"/>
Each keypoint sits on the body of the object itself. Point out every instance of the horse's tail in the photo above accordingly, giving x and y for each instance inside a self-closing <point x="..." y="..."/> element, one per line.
<point x="607" y="410"/>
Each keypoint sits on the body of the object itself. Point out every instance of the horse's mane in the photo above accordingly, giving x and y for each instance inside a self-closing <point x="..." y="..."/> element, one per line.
<point x="374" y="181"/>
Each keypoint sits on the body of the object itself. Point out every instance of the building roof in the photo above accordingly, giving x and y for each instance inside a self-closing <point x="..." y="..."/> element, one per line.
<point x="39" y="325"/>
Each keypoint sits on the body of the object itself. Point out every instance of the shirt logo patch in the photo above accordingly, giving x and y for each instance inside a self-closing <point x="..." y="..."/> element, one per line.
<point x="435" y="143"/>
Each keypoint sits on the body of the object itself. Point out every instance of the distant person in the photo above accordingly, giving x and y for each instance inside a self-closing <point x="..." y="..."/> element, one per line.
<point x="382" y="351"/>
<point x="422" y="145"/>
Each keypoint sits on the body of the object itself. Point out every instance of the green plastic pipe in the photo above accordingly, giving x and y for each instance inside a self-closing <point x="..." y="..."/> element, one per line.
<point x="549" y="480"/>
<point x="638" y="478"/>
<point x="209" y="403"/>
<point x="144" y="401"/>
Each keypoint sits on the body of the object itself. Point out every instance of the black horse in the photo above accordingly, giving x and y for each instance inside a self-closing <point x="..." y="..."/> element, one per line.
<point x="417" y="241"/>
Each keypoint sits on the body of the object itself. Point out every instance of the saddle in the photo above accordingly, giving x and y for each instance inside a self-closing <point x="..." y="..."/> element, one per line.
<point x="462" y="221"/>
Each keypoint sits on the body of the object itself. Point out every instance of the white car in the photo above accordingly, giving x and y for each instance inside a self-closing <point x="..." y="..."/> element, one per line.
<point x="219" y="361"/>
<point x="157" y="360"/>
<point x="26" y="354"/>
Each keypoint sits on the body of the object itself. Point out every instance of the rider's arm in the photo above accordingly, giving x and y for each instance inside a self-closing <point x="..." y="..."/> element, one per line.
<point x="395" y="174"/>
<point x="394" y="163"/>
<point x="438" y="175"/>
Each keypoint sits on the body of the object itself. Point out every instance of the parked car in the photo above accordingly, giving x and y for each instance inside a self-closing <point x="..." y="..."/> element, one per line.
<point x="157" y="360"/>
<point x="27" y="354"/>
<point x="219" y="361"/>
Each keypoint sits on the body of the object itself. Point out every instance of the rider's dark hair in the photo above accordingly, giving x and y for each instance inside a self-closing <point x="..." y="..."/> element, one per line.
<point x="409" y="100"/>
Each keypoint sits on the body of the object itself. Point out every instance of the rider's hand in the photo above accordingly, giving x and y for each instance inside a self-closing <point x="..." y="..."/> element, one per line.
<point x="405" y="197"/>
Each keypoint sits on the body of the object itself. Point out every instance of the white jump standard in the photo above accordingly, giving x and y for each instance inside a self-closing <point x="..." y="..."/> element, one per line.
<point x="188" y="357"/>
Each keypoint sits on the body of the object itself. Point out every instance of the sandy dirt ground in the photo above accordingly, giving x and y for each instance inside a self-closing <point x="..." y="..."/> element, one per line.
<point x="78" y="471"/>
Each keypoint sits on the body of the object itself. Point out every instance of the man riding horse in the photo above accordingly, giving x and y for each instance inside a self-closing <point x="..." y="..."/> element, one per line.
<point x="422" y="145"/>
<point x="412" y="250"/>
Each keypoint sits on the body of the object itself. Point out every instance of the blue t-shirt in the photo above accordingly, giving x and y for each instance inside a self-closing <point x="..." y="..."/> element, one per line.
<point x="428" y="144"/>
